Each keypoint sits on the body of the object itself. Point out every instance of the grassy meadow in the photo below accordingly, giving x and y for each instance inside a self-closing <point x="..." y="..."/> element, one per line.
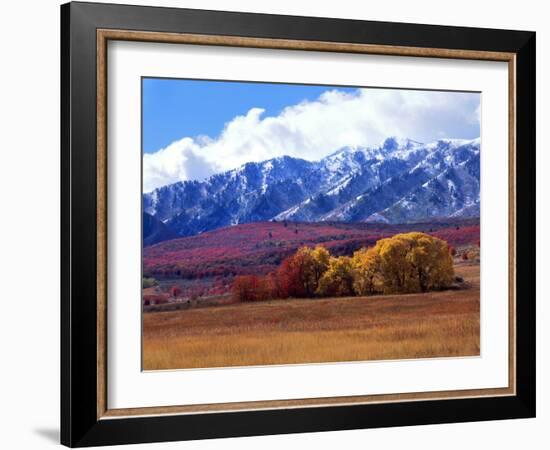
<point x="433" y="324"/>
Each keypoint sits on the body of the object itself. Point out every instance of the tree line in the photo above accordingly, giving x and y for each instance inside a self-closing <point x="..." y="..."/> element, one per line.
<point x="404" y="263"/>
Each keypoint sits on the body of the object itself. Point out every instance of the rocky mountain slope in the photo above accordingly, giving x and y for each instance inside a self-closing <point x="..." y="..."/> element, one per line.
<point x="399" y="181"/>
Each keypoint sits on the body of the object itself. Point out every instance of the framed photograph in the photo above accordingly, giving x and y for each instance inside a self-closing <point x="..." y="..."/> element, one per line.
<point x="276" y="224"/>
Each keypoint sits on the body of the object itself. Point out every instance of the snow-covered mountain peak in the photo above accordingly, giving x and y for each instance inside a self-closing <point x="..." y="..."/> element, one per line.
<point x="398" y="181"/>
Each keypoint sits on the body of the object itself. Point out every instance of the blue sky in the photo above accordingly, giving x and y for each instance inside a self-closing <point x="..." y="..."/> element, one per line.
<point x="173" y="109"/>
<point x="195" y="128"/>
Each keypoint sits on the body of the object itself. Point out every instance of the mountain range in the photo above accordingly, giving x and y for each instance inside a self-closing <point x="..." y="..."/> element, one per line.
<point x="399" y="181"/>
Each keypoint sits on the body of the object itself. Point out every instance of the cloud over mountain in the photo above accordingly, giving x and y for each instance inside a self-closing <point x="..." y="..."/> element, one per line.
<point x="313" y="129"/>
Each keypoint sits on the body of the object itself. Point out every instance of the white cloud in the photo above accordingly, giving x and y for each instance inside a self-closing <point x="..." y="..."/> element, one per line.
<point x="313" y="129"/>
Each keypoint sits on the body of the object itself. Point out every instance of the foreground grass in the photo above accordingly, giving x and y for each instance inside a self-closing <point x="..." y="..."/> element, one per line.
<point x="437" y="324"/>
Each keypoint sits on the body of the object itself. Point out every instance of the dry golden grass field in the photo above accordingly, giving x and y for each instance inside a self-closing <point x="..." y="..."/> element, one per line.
<point x="435" y="324"/>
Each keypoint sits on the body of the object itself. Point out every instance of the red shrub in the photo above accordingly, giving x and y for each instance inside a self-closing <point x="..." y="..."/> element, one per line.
<point x="175" y="291"/>
<point x="155" y="299"/>
<point x="250" y="288"/>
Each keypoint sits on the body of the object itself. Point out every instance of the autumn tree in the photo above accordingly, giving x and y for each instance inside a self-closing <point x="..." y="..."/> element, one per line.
<point x="316" y="262"/>
<point x="249" y="288"/>
<point x="338" y="280"/>
<point x="299" y="274"/>
<point x="395" y="269"/>
<point x="366" y="271"/>
<point x="414" y="262"/>
<point x="290" y="277"/>
<point x="431" y="262"/>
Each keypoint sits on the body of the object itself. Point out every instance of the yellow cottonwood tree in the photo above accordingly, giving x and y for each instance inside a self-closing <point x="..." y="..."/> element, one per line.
<point x="366" y="271"/>
<point x="338" y="280"/>
<point x="315" y="263"/>
<point x="414" y="262"/>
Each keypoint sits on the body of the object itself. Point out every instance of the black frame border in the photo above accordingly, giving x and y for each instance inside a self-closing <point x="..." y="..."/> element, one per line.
<point x="79" y="423"/>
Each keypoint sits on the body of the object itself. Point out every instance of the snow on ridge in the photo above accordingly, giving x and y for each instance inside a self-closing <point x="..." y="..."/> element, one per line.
<point x="352" y="184"/>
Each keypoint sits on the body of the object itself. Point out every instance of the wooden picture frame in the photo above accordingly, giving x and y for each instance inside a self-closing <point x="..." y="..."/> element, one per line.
<point x="86" y="418"/>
